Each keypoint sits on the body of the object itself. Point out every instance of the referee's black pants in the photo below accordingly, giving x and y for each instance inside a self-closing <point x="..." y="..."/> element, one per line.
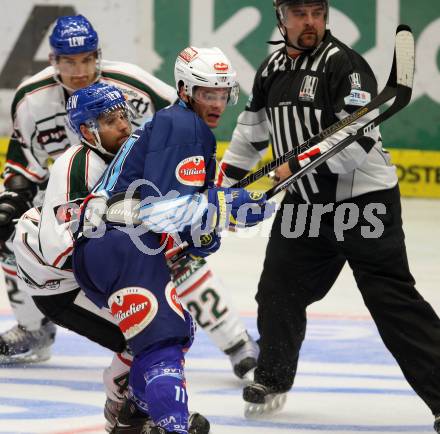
<point x="301" y="270"/>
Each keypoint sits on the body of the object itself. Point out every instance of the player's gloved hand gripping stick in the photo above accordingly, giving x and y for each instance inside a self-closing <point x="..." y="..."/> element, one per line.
<point x="227" y="207"/>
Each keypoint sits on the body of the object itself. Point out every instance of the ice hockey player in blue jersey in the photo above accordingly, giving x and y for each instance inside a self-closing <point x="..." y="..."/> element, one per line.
<point x="161" y="182"/>
<point x="101" y="116"/>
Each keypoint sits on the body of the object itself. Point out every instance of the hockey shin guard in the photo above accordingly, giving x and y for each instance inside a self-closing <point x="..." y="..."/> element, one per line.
<point x="158" y="386"/>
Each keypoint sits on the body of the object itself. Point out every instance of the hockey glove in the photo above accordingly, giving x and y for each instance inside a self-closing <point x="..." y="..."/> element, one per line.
<point x="204" y="246"/>
<point x="192" y="246"/>
<point x="238" y="207"/>
<point x="12" y="206"/>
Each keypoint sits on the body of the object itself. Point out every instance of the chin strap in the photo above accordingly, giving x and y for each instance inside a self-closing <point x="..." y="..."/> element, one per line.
<point x="97" y="145"/>
<point x="187" y="104"/>
<point x="286" y="42"/>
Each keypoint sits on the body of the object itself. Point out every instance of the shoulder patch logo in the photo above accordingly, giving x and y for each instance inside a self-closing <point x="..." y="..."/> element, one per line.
<point x="133" y="308"/>
<point x="308" y="88"/>
<point x="358" y="98"/>
<point x="191" y="171"/>
<point x="174" y="300"/>
<point x="355" y="80"/>
<point x="67" y="212"/>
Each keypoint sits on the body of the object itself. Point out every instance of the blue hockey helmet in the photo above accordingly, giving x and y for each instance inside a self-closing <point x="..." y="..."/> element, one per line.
<point x="73" y="35"/>
<point x="86" y="105"/>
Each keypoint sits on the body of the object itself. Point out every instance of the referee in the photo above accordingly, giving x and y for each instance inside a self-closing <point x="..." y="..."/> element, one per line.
<point x="352" y="203"/>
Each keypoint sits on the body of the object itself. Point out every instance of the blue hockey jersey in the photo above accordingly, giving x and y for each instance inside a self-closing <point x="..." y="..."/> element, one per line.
<point x="169" y="162"/>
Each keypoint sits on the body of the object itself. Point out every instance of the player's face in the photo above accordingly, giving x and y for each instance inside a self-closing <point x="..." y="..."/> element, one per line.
<point x="77" y="70"/>
<point x="114" y="129"/>
<point x="210" y="104"/>
<point x="305" y="24"/>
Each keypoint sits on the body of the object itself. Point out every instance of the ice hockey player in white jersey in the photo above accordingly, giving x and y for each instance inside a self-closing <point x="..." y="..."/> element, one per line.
<point x="40" y="134"/>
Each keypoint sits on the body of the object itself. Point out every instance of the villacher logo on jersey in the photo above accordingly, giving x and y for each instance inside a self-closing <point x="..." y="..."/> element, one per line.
<point x="173" y="300"/>
<point x="134" y="308"/>
<point x="191" y="171"/>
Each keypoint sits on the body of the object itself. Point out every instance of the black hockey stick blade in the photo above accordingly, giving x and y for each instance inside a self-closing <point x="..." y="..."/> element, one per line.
<point x="404" y="78"/>
<point x="388" y="93"/>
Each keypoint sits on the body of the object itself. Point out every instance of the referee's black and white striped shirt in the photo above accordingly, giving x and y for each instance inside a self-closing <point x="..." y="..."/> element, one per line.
<point x="293" y="100"/>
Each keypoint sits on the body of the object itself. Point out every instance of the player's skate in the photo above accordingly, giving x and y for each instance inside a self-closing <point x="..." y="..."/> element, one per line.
<point x="262" y="400"/>
<point x="198" y="424"/>
<point x="126" y="418"/>
<point x="130" y="420"/>
<point x="243" y="357"/>
<point x="19" y="345"/>
<point x="111" y="412"/>
<point x="437" y="423"/>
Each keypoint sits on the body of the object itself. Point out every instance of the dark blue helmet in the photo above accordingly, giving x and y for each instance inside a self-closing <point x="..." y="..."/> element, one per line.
<point x="85" y="105"/>
<point x="73" y="35"/>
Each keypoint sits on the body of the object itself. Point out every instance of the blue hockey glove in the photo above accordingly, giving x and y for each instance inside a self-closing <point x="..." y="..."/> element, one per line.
<point x="238" y="207"/>
<point x="201" y="246"/>
<point x="193" y="246"/>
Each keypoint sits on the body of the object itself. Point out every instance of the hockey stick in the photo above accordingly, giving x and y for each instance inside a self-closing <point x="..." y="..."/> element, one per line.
<point x="404" y="76"/>
<point x="388" y="93"/>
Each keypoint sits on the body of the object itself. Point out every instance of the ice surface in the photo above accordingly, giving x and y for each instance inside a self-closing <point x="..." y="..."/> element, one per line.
<point x="347" y="381"/>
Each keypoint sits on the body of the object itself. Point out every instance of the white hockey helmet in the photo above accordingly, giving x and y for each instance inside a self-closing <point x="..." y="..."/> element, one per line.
<point x="207" y="67"/>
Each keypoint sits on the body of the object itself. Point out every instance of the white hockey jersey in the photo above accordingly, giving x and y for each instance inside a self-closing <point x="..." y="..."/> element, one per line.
<point x="44" y="236"/>
<point x="39" y="117"/>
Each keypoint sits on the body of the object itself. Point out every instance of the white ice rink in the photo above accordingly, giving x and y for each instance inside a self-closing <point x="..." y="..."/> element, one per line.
<point x="347" y="382"/>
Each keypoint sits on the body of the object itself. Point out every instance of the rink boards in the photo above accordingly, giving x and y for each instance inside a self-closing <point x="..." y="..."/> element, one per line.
<point x="418" y="171"/>
<point x="347" y="383"/>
